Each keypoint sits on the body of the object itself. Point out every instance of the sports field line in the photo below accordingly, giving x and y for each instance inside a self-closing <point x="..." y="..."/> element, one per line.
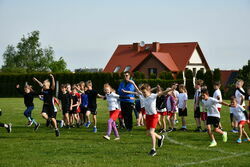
<point x="213" y="159"/>
<point x="198" y="148"/>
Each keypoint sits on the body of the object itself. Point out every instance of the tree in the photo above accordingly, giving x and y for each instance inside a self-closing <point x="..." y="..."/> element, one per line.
<point x="200" y="74"/>
<point x="244" y="74"/>
<point x="217" y="75"/>
<point x="28" y="56"/>
<point x="208" y="80"/>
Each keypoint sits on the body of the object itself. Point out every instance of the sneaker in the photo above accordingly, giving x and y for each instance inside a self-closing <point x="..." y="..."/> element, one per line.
<point x="224" y="137"/>
<point x="87" y="124"/>
<point x="246" y="139"/>
<point x="163" y="131"/>
<point x="152" y="153"/>
<point x="77" y="125"/>
<point x="57" y="132"/>
<point x="29" y="123"/>
<point x="94" y="129"/>
<point x="234" y="131"/>
<point x="61" y="124"/>
<point x="213" y="144"/>
<point x="169" y="130"/>
<point x="160" y="141"/>
<point x="205" y="130"/>
<point x="9" y="128"/>
<point x="106" y="137"/>
<point x="238" y="141"/>
<point x="117" y="138"/>
<point x="174" y="129"/>
<point x="36" y="127"/>
<point x="198" y="130"/>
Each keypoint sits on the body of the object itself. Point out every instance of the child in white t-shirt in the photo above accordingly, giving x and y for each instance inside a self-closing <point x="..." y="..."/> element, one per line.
<point x="213" y="116"/>
<point x="151" y="114"/>
<point x="241" y="117"/>
<point x="217" y="95"/>
<point x="182" y="106"/>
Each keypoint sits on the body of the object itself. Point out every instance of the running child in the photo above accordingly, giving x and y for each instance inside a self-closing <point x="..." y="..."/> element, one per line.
<point x="8" y="127"/>
<point x="175" y="95"/>
<point x="171" y="109"/>
<point x="182" y="105"/>
<point x="197" y="112"/>
<point x="241" y="117"/>
<point x="28" y="95"/>
<point x="213" y="116"/>
<point x="84" y="103"/>
<point x="92" y="105"/>
<point x="64" y="98"/>
<point x="74" y="105"/>
<point x="217" y="95"/>
<point x="114" y="110"/>
<point x="48" y="107"/>
<point x="161" y="110"/>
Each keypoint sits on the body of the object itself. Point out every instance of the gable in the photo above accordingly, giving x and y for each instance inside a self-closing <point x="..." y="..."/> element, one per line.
<point x="195" y="58"/>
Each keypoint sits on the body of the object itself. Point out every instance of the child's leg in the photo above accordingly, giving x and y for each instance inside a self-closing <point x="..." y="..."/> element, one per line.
<point x="27" y="112"/>
<point x="115" y="129"/>
<point x="218" y="130"/>
<point x="139" y="119"/>
<point x="172" y="121"/>
<point x="109" y="126"/>
<point x="54" y="122"/>
<point x="209" y="131"/>
<point x="245" y="133"/>
<point x="169" y="122"/>
<point x="240" y="131"/>
<point x="87" y="116"/>
<point x="198" y="122"/>
<point x="164" y="122"/>
<point x="94" y="120"/>
<point x="66" y="115"/>
<point x="183" y="120"/>
<point x="159" y="121"/>
<point x="154" y="136"/>
<point x="44" y="115"/>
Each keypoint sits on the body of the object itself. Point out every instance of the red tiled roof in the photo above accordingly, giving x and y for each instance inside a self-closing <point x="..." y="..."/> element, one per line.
<point x="225" y="76"/>
<point x="175" y="56"/>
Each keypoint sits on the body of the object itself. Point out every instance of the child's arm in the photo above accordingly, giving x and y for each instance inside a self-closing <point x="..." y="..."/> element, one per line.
<point x="129" y="92"/>
<point x="165" y="92"/>
<point x="19" y="90"/>
<point x="53" y="85"/>
<point x="224" y="103"/>
<point x="100" y="96"/>
<point x="36" y="80"/>
<point x="71" y="104"/>
<point x="136" y="87"/>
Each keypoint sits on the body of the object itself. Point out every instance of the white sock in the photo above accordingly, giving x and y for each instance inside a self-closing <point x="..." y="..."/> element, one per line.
<point x="6" y="125"/>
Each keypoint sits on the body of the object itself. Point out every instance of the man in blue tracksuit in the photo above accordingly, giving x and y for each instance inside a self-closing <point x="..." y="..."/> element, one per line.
<point x="127" y="105"/>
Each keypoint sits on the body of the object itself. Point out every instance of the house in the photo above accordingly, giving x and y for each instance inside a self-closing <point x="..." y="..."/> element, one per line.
<point x="157" y="57"/>
<point x="228" y="77"/>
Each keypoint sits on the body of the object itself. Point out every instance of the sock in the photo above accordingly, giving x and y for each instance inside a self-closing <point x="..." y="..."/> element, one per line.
<point x="29" y="118"/>
<point x="184" y="127"/>
<point x="34" y="121"/>
<point x="6" y="125"/>
<point x="94" y="126"/>
<point x="153" y="149"/>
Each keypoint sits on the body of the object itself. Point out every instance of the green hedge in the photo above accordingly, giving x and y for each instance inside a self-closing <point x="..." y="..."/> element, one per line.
<point x="9" y="81"/>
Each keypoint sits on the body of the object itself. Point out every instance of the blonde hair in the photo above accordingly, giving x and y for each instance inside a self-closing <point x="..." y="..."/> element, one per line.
<point x="29" y="87"/>
<point x="199" y="82"/>
<point x="106" y="85"/>
<point x="182" y="87"/>
<point x="146" y="87"/>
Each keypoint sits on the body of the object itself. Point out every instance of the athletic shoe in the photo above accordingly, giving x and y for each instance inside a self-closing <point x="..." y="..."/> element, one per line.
<point x="174" y="129"/>
<point x="9" y="128"/>
<point x="29" y="123"/>
<point x="87" y="124"/>
<point x="169" y="130"/>
<point x="152" y="153"/>
<point x="246" y="139"/>
<point x="77" y="125"/>
<point x="205" y="130"/>
<point x="213" y="144"/>
<point x="106" y="137"/>
<point x="224" y="137"/>
<point x="117" y="138"/>
<point x="36" y="127"/>
<point x="61" y="124"/>
<point x="163" y="131"/>
<point x="57" y="132"/>
<point x="198" y="130"/>
<point x="94" y="129"/>
<point x="238" y="141"/>
<point x="160" y="141"/>
<point x="48" y="122"/>
<point x="234" y="131"/>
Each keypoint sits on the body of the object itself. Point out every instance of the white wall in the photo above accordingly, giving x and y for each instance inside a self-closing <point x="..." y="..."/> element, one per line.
<point x="195" y="58"/>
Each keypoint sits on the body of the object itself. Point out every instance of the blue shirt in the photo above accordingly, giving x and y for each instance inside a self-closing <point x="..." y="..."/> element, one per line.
<point x="128" y="87"/>
<point x="84" y="99"/>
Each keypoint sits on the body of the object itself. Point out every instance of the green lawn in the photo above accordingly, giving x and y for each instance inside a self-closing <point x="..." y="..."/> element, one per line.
<point x="81" y="147"/>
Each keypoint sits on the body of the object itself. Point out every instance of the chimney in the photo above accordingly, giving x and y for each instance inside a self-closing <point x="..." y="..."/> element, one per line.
<point x="137" y="47"/>
<point x="156" y="46"/>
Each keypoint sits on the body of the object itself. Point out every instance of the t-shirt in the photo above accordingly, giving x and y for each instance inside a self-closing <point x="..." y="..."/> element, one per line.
<point x="47" y="96"/>
<point x="217" y="93"/>
<point x="141" y="100"/>
<point x="92" y="95"/>
<point x="75" y="100"/>
<point x="112" y="99"/>
<point x="170" y="103"/>
<point x="238" y="96"/>
<point x="161" y="102"/>
<point x="238" y="113"/>
<point x="181" y="100"/>
<point x="150" y="104"/>
<point x="65" y="100"/>
<point x="210" y="105"/>
<point x="197" y="97"/>
<point x="84" y="100"/>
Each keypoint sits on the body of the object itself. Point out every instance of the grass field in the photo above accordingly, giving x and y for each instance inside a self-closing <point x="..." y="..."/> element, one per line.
<point x="81" y="147"/>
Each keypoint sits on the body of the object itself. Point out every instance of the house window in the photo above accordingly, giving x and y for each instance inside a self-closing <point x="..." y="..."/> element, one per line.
<point x="117" y="68"/>
<point x="194" y="71"/>
<point x="127" y="68"/>
<point x="152" y="71"/>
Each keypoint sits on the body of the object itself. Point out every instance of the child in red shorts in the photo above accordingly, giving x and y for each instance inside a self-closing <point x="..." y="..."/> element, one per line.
<point x="151" y="114"/>
<point x="171" y="109"/>
<point x="161" y="110"/>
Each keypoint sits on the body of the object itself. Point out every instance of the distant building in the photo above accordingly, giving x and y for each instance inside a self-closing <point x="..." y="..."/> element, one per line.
<point x="89" y="69"/>
<point x="228" y="77"/>
<point x="157" y="57"/>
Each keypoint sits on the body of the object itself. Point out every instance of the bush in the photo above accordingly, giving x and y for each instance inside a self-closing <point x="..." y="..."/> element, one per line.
<point x="139" y="75"/>
<point x="166" y="75"/>
<point x="200" y="74"/>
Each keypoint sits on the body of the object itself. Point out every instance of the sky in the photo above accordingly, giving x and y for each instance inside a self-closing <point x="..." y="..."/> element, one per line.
<point x="86" y="32"/>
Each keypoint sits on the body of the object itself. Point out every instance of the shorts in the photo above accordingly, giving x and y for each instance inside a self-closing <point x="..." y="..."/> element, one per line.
<point x="170" y="114"/>
<point x="65" y="110"/>
<point x="143" y="111"/>
<point x="182" y="113"/>
<point x="219" y="109"/>
<point x="114" y="114"/>
<point x="215" y="121"/>
<point x="73" y="111"/>
<point x="197" y="112"/>
<point x="162" y="113"/>
<point x="151" y="121"/>
<point x="92" y="111"/>
<point x="83" y="110"/>
<point x="203" y="116"/>
<point x="49" y="110"/>
<point x="242" y="123"/>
